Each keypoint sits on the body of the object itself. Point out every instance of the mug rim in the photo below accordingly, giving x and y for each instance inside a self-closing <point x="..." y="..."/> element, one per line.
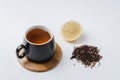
<point x="40" y="27"/>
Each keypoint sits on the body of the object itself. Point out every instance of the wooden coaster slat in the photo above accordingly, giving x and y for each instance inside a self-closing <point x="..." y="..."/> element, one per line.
<point x="40" y="67"/>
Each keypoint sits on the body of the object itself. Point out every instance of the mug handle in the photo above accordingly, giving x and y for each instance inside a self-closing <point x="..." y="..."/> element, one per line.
<point x="19" y="48"/>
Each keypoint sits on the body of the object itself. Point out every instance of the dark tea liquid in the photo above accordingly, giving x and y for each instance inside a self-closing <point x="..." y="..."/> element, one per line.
<point x="38" y="36"/>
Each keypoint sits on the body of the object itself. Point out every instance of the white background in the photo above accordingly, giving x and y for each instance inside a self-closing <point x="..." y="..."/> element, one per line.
<point x="100" y="20"/>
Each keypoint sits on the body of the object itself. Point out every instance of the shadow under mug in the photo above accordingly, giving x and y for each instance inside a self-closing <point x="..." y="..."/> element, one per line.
<point x="37" y="52"/>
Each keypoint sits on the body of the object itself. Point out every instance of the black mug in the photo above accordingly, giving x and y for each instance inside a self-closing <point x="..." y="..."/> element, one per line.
<point x="38" y="44"/>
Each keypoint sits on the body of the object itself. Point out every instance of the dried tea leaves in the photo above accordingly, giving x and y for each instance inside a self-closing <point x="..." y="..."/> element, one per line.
<point x="88" y="55"/>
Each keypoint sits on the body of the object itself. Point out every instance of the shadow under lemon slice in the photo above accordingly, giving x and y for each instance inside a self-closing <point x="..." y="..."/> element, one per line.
<point x="71" y="30"/>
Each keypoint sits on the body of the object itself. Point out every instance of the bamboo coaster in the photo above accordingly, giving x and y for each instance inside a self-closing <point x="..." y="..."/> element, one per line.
<point x="40" y="67"/>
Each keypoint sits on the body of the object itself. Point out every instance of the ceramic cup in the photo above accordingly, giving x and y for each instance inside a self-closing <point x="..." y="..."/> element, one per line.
<point x="37" y="52"/>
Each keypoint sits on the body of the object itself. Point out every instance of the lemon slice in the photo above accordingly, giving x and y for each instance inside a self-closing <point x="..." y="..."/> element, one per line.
<point x="71" y="30"/>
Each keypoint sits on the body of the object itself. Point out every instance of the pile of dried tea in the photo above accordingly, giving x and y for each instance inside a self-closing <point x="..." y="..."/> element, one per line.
<point x="88" y="55"/>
